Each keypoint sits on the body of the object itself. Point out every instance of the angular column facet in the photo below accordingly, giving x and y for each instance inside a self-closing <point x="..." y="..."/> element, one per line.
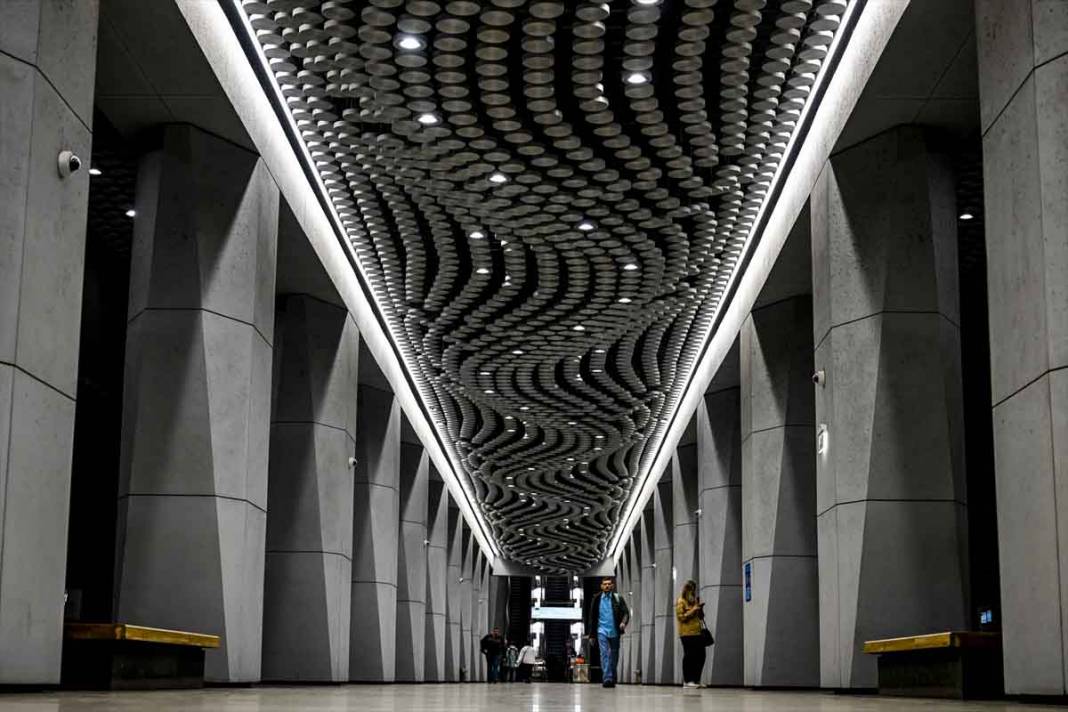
<point x="437" y="564"/>
<point x="648" y="597"/>
<point x="634" y="600"/>
<point x="454" y="596"/>
<point x="664" y="596"/>
<point x="1023" y="89"/>
<point x="781" y="628"/>
<point x="467" y="588"/>
<point x="412" y="563"/>
<point x="685" y="522"/>
<point x="308" y="579"/>
<point x="719" y="455"/>
<point x="891" y="484"/>
<point x="196" y="416"/>
<point x="47" y="70"/>
<point x="372" y="651"/>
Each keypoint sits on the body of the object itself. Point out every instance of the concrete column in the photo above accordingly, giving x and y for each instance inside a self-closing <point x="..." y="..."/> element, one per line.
<point x="308" y="579"/>
<point x="719" y="457"/>
<point x="196" y="417"/>
<point x="467" y="588"/>
<point x="47" y="70"/>
<point x="372" y="653"/>
<point x="412" y="563"/>
<point x="622" y="580"/>
<point x="436" y="582"/>
<point x="891" y="485"/>
<point x="648" y="597"/>
<point x="664" y="638"/>
<point x="1023" y="87"/>
<point x="781" y="630"/>
<point x="685" y="517"/>
<point x="634" y="600"/>
<point x="453" y="596"/>
<point x="480" y="616"/>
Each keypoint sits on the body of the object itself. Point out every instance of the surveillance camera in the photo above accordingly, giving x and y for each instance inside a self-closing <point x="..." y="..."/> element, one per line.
<point x="68" y="163"/>
<point x="352" y="462"/>
<point x="820" y="377"/>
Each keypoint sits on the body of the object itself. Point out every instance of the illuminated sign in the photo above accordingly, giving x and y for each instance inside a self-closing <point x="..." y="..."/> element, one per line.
<point x="549" y="613"/>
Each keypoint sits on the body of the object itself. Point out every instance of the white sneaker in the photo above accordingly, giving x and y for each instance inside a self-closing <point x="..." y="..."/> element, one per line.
<point x="690" y="684"/>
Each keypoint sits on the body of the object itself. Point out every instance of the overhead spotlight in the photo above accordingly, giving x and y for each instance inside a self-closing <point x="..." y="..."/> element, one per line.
<point x="630" y="267"/>
<point x="410" y="42"/>
<point x="966" y="216"/>
<point x="476" y="235"/>
<point x="498" y="178"/>
<point x="518" y="352"/>
<point x="578" y="327"/>
<point x="94" y="171"/>
<point x="585" y="226"/>
<point x="131" y="213"/>
<point x="488" y="391"/>
<point x="427" y="119"/>
<point x="637" y="78"/>
<point x="647" y="2"/>
<point x="482" y="270"/>
<point x="625" y="300"/>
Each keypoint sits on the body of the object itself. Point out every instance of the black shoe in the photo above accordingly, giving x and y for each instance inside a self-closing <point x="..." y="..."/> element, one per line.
<point x="608" y="684"/>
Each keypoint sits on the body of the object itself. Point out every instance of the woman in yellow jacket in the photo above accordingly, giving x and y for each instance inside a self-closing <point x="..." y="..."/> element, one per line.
<point x="689" y="612"/>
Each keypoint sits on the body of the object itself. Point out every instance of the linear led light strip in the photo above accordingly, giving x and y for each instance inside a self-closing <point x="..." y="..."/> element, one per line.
<point x="320" y="187"/>
<point x="640" y="495"/>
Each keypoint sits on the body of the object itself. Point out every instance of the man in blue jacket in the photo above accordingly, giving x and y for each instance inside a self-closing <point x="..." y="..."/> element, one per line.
<point x="606" y="619"/>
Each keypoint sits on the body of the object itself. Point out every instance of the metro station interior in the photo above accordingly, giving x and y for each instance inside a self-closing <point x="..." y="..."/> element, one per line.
<point x="335" y="334"/>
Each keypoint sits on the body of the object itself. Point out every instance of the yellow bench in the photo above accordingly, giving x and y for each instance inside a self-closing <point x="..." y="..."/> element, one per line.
<point x="120" y="656"/>
<point x="950" y="664"/>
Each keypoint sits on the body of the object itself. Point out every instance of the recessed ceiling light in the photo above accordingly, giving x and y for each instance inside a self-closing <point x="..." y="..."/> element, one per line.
<point x="488" y="391"/>
<point x="630" y="267"/>
<point x="484" y="373"/>
<point x="647" y="2"/>
<point x="498" y="178"/>
<point x="624" y="300"/>
<point x="966" y="216"/>
<point x="410" y="42"/>
<point x="427" y="119"/>
<point x="585" y="226"/>
<point x="482" y="270"/>
<point x="637" y="78"/>
<point x="131" y="213"/>
<point x="94" y="171"/>
<point x="518" y="352"/>
<point x="598" y="351"/>
<point x="578" y="327"/>
<point x="476" y="235"/>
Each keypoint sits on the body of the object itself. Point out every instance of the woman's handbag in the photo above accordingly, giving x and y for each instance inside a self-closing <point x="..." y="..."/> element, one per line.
<point x="706" y="636"/>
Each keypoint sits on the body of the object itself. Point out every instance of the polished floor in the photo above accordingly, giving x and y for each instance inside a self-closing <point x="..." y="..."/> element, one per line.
<point x="456" y="698"/>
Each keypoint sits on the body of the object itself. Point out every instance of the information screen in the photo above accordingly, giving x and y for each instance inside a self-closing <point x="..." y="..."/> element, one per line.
<point x="548" y="613"/>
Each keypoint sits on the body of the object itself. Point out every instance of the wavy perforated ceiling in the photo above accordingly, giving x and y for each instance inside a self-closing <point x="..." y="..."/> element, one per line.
<point x="547" y="198"/>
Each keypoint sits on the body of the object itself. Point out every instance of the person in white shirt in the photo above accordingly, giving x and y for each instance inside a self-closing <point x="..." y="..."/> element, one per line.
<point x="527" y="657"/>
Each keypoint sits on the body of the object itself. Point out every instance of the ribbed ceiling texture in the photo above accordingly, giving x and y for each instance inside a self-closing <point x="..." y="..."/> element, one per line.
<point x="547" y="198"/>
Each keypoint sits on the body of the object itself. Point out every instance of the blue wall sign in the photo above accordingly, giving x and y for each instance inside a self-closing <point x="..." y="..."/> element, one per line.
<point x="748" y="581"/>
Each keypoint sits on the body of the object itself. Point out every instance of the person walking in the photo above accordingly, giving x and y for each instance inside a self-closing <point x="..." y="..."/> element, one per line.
<point x="511" y="661"/>
<point x="528" y="656"/>
<point x="492" y="646"/>
<point x="689" y="614"/>
<point x="606" y="619"/>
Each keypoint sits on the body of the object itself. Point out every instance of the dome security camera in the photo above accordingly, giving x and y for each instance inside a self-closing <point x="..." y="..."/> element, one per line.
<point x="68" y="163"/>
<point x="820" y="377"/>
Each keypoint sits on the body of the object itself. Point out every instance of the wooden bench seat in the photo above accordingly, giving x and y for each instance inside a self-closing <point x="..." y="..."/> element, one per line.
<point x="120" y="656"/>
<point x="951" y="664"/>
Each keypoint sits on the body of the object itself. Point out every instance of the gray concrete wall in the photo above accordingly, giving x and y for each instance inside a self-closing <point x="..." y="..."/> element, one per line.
<point x="891" y="485"/>
<point x="193" y="479"/>
<point x="634" y="601"/>
<point x="308" y="569"/>
<point x="781" y="633"/>
<point x="719" y="466"/>
<point x="685" y="518"/>
<point x="47" y="70"/>
<point x="436" y="582"/>
<point x="467" y="607"/>
<point x="372" y="654"/>
<point x="1023" y="83"/>
<point x="664" y="638"/>
<point x="412" y="563"/>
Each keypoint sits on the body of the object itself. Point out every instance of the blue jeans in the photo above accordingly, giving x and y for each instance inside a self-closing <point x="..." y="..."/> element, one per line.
<point x="609" y="655"/>
<point x="493" y="674"/>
